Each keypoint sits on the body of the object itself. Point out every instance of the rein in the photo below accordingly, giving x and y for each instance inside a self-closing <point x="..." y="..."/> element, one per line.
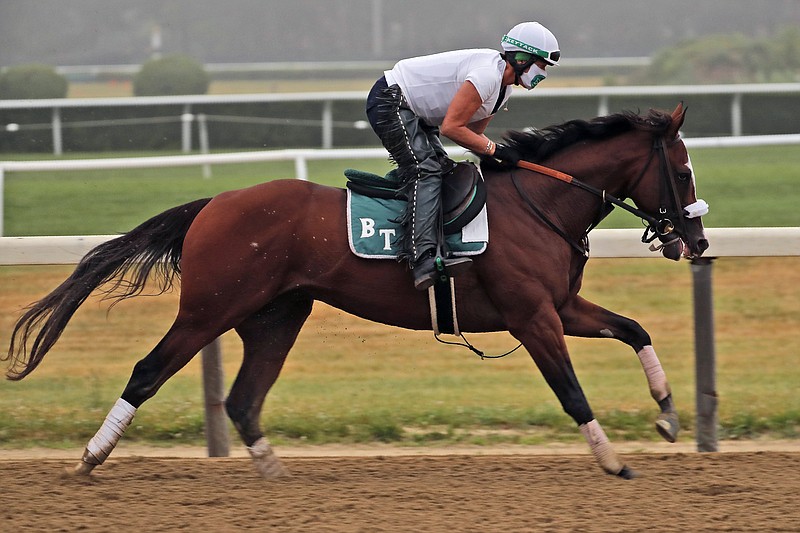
<point x="655" y="227"/>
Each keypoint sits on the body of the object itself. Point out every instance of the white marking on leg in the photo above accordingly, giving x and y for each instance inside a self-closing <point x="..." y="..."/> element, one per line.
<point x="656" y="378"/>
<point x="601" y="447"/>
<point x="265" y="460"/>
<point x="107" y="437"/>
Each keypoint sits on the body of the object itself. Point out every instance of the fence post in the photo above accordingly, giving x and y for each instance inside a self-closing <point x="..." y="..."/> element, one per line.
<point x="300" y="168"/>
<point x="705" y="357"/>
<point x="202" y="131"/>
<point x="327" y="125"/>
<point x="186" y="129"/>
<point x="58" y="145"/>
<point x="602" y="106"/>
<point x="214" y="391"/>
<point x="736" y="115"/>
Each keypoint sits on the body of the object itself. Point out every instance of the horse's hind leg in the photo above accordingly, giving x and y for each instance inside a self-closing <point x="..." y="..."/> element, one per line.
<point x="582" y="318"/>
<point x="185" y="338"/>
<point x="268" y="335"/>
<point x="542" y="336"/>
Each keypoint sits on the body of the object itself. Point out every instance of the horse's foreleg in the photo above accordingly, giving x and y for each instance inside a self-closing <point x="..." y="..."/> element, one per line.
<point x="268" y="335"/>
<point x="582" y="318"/>
<point x="176" y="349"/>
<point x="542" y="336"/>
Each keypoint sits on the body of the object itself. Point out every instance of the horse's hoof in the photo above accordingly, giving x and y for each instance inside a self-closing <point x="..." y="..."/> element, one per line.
<point x="81" y="469"/>
<point x="668" y="426"/>
<point x="266" y="462"/>
<point x="627" y="473"/>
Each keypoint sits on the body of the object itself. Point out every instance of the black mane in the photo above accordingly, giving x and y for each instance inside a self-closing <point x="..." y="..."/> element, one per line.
<point x="538" y="145"/>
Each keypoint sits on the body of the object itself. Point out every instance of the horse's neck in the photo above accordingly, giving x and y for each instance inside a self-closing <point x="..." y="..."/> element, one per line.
<point x="606" y="170"/>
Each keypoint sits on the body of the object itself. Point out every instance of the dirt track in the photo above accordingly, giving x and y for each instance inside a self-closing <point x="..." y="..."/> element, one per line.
<point x="739" y="491"/>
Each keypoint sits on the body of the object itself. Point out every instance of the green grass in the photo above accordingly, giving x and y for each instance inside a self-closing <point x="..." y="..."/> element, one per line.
<point x="349" y="381"/>
<point x="744" y="186"/>
<point x="114" y="201"/>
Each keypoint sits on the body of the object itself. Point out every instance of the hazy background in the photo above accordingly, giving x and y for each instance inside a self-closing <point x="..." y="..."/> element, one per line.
<point x="92" y="32"/>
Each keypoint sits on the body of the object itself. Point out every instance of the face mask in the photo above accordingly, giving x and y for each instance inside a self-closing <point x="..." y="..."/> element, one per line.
<point x="533" y="77"/>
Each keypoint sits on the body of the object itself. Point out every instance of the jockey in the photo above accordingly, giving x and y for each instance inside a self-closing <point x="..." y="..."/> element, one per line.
<point x="456" y="93"/>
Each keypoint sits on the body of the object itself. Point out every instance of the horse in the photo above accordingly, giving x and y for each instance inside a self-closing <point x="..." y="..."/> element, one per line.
<point x="255" y="260"/>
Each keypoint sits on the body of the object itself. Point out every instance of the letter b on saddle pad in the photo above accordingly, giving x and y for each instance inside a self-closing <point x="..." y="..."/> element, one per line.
<point x="373" y="232"/>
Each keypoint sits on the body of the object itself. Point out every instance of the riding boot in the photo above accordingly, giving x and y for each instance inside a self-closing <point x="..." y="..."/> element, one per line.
<point x="428" y="261"/>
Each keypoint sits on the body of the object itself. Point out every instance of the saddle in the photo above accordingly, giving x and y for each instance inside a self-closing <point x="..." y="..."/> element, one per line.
<point x="463" y="192"/>
<point x="375" y="205"/>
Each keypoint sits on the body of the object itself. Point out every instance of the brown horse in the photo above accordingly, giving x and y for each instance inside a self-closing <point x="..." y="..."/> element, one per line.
<point x="256" y="259"/>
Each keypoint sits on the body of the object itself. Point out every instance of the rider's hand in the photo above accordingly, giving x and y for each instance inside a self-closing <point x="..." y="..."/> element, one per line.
<point x="507" y="155"/>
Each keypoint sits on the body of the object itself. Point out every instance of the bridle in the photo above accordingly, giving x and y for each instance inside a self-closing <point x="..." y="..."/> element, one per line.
<point x="670" y="225"/>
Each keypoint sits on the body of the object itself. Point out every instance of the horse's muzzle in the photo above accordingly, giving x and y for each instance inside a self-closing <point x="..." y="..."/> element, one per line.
<point x="674" y="247"/>
<point x="700" y="246"/>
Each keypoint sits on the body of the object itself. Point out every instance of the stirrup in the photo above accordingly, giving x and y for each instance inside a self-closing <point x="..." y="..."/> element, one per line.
<point x="426" y="270"/>
<point x="456" y="266"/>
<point x="429" y="269"/>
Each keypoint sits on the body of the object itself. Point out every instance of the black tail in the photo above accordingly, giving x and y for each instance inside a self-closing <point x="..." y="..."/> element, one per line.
<point x="154" y="246"/>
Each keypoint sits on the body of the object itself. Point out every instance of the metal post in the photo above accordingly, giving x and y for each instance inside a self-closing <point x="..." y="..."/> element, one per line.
<point x="705" y="358"/>
<point x="214" y="389"/>
<point x="327" y="125"/>
<point x="58" y="147"/>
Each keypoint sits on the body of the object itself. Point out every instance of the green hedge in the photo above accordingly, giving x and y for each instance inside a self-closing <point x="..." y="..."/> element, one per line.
<point x="32" y="81"/>
<point x="171" y="75"/>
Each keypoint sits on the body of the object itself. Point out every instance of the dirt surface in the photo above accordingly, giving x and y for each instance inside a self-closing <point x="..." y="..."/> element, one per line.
<point x="686" y="491"/>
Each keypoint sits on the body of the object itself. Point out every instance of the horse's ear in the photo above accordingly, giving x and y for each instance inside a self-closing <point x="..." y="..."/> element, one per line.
<point x="677" y="121"/>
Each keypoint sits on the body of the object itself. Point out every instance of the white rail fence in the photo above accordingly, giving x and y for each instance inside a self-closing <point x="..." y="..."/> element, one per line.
<point x="186" y="103"/>
<point x="300" y="158"/>
<point x="606" y="243"/>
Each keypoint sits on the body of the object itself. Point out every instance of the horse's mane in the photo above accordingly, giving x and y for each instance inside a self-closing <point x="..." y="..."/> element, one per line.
<point x="538" y="145"/>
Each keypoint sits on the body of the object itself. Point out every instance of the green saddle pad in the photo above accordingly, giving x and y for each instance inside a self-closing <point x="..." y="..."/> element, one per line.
<point x="373" y="234"/>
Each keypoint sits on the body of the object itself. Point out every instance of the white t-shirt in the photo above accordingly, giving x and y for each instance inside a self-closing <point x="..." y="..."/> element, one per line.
<point x="429" y="83"/>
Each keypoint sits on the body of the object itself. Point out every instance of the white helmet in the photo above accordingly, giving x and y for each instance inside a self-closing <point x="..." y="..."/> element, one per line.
<point x="533" y="38"/>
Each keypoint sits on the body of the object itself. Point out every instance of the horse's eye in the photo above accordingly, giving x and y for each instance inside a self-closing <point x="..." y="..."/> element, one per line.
<point x="684" y="176"/>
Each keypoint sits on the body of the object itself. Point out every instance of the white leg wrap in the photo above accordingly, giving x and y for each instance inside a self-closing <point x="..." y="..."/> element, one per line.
<point x="601" y="447"/>
<point x="656" y="379"/>
<point x="107" y="437"/>
<point x="265" y="460"/>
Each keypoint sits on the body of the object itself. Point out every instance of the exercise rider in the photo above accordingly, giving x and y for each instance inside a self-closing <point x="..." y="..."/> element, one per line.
<point x="456" y="93"/>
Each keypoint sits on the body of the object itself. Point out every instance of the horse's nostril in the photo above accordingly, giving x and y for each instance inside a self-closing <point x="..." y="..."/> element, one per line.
<point x="702" y="245"/>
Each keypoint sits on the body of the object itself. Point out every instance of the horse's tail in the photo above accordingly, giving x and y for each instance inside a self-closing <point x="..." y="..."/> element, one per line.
<point x="154" y="246"/>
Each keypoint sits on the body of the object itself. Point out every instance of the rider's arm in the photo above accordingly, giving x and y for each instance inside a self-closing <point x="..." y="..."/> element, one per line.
<point x="480" y="126"/>
<point x="456" y="125"/>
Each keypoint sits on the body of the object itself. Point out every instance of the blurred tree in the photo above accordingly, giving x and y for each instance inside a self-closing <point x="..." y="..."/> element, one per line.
<point x="171" y="75"/>
<point x="727" y="58"/>
<point x="32" y="81"/>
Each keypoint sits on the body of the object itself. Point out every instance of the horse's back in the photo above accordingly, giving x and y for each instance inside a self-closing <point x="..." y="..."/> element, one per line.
<point x="271" y="205"/>
<point x="277" y="226"/>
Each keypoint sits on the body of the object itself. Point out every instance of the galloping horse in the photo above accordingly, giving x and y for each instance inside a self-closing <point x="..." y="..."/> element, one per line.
<point x="256" y="259"/>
